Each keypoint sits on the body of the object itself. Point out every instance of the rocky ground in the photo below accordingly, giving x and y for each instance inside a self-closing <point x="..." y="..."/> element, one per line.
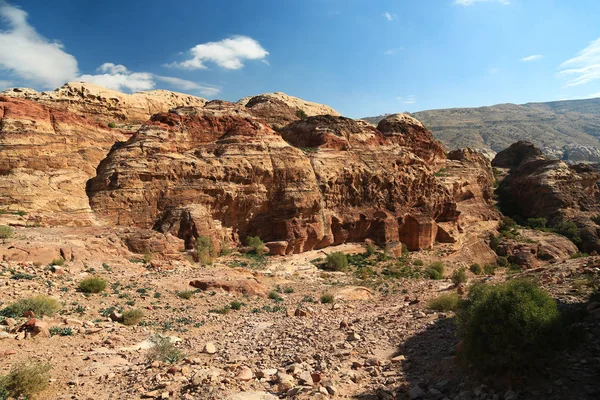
<point x="377" y="339"/>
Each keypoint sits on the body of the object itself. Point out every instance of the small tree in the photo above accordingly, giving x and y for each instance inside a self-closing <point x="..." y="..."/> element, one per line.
<point x="205" y="250"/>
<point x="459" y="277"/>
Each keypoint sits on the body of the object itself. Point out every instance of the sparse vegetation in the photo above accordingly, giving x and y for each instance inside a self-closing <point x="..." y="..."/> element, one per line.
<point x="336" y="261"/>
<point x="327" y="298"/>
<point x="60" y="331"/>
<point x="502" y="262"/>
<point x="476" y="269"/>
<point x="163" y="349"/>
<point x="186" y="294"/>
<point x="93" y="284"/>
<point x="40" y="305"/>
<point x="256" y="244"/>
<point x="489" y="269"/>
<point x="459" y="277"/>
<point x="132" y="317"/>
<point x="370" y="249"/>
<point x="6" y="231"/>
<point x="444" y="303"/>
<point x="25" y="380"/>
<point x="112" y="125"/>
<point x="58" y="261"/>
<point x="301" y="114"/>
<point x="223" y="310"/>
<point x="435" y="270"/>
<point x="236" y="305"/>
<point x="508" y="326"/>
<point x="273" y="295"/>
<point x="205" y="250"/>
<point x="579" y="255"/>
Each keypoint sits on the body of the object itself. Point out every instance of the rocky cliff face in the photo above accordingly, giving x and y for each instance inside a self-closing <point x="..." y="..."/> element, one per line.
<point x="106" y="105"/>
<point x="47" y="157"/>
<point x="537" y="186"/>
<point x="220" y="172"/>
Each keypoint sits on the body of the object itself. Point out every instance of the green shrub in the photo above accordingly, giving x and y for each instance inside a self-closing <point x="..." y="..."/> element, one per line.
<point x="476" y="269"/>
<point x="60" y="331"/>
<point x="433" y="274"/>
<point x="273" y="295"/>
<point x="502" y="262"/>
<point x="40" y="305"/>
<point x="256" y="243"/>
<point x="112" y="125"/>
<point x="494" y="242"/>
<point x="186" y="294"/>
<point x="579" y="255"/>
<point x="489" y="269"/>
<point x="164" y="350"/>
<point x="223" y="310"/>
<point x="370" y="249"/>
<point x="132" y="317"/>
<point x="93" y="284"/>
<point x="205" y="250"/>
<point x="301" y="114"/>
<point x="444" y="303"/>
<point x="58" y="261"/>
<point x="25" y="380"/>
<point x="6" y="231"/>
<point x="436" y="270"/>
<point x="459" y="277"/>
<point x="570" y="230"/>
<point x="336" y="261"/>
<point x="236" y="305"/>
<point x="288" y="290"/>
<point x="508" y="326"/>
<point x="327" y="298"/>
<point x="537" y="223"/>
<point x="418" y="262"/>
<point x="507" y="224"/>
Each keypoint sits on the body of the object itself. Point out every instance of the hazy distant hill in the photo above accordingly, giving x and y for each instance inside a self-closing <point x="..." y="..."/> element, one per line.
<point x="566" y="129"/>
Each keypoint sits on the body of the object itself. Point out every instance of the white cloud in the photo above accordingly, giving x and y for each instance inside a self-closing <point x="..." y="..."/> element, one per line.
<point x="407" y="100"/>
<point x="583" y="68"/>
<point x="534" y="57"/>
<point x="389" y="16"/>
<point x="5" y="84"/>
<point x="471" y="2"/>
<point x="391" y="52"/>
<point x="183" y="84"/>
<point x="30" y="56"/>
<point x="228" y="53"/>
<point x="118" y="77"/>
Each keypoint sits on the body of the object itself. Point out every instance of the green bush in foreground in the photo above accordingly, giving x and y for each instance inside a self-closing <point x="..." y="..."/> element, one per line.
<point x="92" y="284"/>
<point x="164" y="350"/>
<point x="336" y="261"/>
<point x="6" y="231"/>
<point x="25" y="380"/>
<point x="507" y="326"/>
<point x="444" y="303"/>
<point x="40" y="305"/>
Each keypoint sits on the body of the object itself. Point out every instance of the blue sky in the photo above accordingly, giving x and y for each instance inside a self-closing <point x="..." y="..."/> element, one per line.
<point x="362" y="57"/>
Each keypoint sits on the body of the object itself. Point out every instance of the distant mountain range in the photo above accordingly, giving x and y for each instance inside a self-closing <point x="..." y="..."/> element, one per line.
<point x="568" y="130"/>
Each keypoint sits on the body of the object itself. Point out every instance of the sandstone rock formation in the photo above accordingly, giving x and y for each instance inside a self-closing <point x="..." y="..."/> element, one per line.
<point x="278" y="109"/>
<point x="540" y="187"/>
<point x="107" y="105"/>
<point x="47" y="157"/>
<point x="219" y="172"/>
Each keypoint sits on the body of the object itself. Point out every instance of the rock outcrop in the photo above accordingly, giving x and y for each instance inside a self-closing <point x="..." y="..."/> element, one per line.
<point x="107" y="105"/>
<point x="539" y="187"/>
<point x="217" y="171"/>
<point x="278" y="109"/>
<point x="47" y="157"/>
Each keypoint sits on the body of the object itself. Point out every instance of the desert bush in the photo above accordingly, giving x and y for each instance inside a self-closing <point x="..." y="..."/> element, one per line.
<point x="93" y="284"/>
<point x="186" y="294"/>
<point x="489" y="269"/>
<point x="336" y="261"/>
<point x="164" y="350"/>
<point x="41" y="305"/>
<point x="502" y="262"/>
<point x="273" y="295"/>
<point x="494" y="242"/>
<point x="25" y="380"/>
<point x="418" y="262"/>
<point x="58" y="261"/>
<point x="507" y="224"/>
<point x="327" y="298"/>
<point x="60" y="331"/>
<point x="459" y="276"/>
<point x="256" y="243"/>
<point x="435" y="270"/>
<point x="570" y="230"/>
<point x="370" y="249"/>
<point x="205" y="250"/>
<point x="301" y="114"/>
<point x="112" y="125"/>
<point x="579" y="255"/>
<point x="476" y="269"/>
<point x="132" y="317"/>
<point x="6" y="231"/>
<point x="236" y="305"/>
<point x="537" y="223"/>
<point x="444" y="303"/>
<point x="508" y="326"/>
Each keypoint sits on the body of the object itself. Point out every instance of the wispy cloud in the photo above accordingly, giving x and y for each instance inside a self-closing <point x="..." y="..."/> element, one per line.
<point x="407" y="100"/>
<point x="28" y="55"/>
<point x="391" y="52"/>
<point x="183" y="84"/>
<point x="583" y="68"/>
<point x="228" y="53"/>
<point x="471" y="2"/>
<point x="531" y="58"/>
<point x="389" y="16"/>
